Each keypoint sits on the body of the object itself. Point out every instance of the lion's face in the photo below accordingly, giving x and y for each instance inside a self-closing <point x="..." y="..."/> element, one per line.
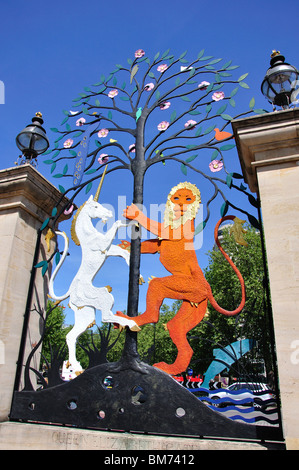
<point x="182" y="204"/>
<point x="181" y="199"/>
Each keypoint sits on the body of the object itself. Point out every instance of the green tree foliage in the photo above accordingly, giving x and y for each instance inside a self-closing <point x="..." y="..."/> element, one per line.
<point x="55" y="337"/>
<point x="252" y="323"/>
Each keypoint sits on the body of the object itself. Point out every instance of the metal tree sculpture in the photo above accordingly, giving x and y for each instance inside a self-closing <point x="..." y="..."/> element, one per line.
<point x="128" y="105"/>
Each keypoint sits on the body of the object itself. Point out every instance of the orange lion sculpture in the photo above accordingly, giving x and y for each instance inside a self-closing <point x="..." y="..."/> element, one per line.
<point x="187" y="283"/>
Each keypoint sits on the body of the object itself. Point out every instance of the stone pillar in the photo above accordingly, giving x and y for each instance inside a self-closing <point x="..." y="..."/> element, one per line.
<point x="26" y="200"/>
<point x="268" y="147"/>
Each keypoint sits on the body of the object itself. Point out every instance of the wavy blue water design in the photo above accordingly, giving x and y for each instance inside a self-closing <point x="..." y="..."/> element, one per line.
<point x="243" y="412"/>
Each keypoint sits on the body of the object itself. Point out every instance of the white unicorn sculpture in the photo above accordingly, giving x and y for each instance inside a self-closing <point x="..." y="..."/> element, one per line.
<point x="85" y="298"/>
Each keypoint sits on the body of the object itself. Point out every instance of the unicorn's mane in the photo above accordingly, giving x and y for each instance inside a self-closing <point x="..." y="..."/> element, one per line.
<point x="73" y="227"/>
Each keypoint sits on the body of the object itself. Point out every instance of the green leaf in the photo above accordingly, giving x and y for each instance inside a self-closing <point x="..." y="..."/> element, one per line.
<point x="200" y="227"/>
<point x="185" y="98"/>
<point x="221" y="109"/>
<point x="53" y="129"/>
<point x="77" y="134"/>
<point x="64" y="171"/>
<point x="157" y="56"/>
<point x="224" y="208"/>
<point x="244" y="85"/>
<point x="214" y="155"/>
<point x="198" y="132"/>
<point x="208" y="57"/>
<point x="165" y="53"/>
<point x="215" y="61"/>
<point x="201" y="53"/>
<point x="44" y="268"/>
<point x="47" y="152"/>
<point x="88" y="188"/>
<point x="64" y="121"/>
<point x="232" y="102"/>
<point x="110" y="115"/>
<point x="45" y="223"/>
<point x="209" y="129"/>
<point x="53" y="167"/>
<point x="227" y="147"/>
<point x="73" y="153"/>
<point x="194" y="112"/>
<point x="251" y="103"/>
<point x="58" y="175"/>
<point x="226" y="117"/>
<point x="229" y="180"/>
<point x="57" y="257"/>
<point x="89" y="172"/>
<point x="61" y="189"/>
<point x="260" y="111"/>
<point x="48" y="162"/>
<point x="208" y="108"/>
<point x="190" y="159"/>
<point x="173" y="116"/>
<point x="234" y="92"/>
<point x="183" y="55"/>
<point x="54" y="211"/>
<point x="242" y="77"/>
<point x="184" y="169"/>
<point x="97" y="102"/>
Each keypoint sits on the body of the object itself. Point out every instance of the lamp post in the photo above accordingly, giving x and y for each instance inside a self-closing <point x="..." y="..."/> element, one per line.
<point x="32" y="141"/>
<point x="281" y="83"/>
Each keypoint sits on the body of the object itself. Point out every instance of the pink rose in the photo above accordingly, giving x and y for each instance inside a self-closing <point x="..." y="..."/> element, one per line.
<point x="165" y="105"/>
<point x="103" y="132"/>
<point x="161" y="68"/>
<point x="215" y="165"/>
<point x="68" y="143"/>
<point x="190" y="124"/>
<point x="132" y="148"/>
<point x="218" y="95"/>
<point x="80" y="122"/>
<point x="139" y="53"/>
<point x="203" y="85"/>
<point x="163" y="126"/>
<point x="149" y="86"/>
<point x="103" y="158"/>
<point x="113" y="93"/>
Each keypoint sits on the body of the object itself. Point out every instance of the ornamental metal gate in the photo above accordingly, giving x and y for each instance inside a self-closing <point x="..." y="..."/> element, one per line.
<point x="211" y="369"/>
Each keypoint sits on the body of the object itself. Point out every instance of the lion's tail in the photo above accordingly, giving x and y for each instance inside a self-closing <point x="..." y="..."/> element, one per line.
<point x="210" y="294"/>
<point x="51" y="282"/>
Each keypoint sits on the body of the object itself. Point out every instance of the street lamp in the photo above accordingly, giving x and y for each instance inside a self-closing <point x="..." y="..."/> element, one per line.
<point x="32" y="140"/>
<point x="280" y="85"/>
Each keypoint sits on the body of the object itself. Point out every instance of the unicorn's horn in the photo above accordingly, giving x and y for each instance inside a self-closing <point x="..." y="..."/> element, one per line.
<point x="100" y="185"/>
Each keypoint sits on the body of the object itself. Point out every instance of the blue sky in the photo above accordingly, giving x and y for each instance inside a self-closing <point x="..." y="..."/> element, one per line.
<point x="51" y="50"/>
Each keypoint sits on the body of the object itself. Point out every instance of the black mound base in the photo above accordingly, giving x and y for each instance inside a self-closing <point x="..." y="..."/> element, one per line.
<point x="144" y="399"/>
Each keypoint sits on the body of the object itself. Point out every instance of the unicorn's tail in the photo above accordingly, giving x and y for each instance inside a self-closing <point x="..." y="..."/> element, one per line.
<point x="51" y="282"/>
